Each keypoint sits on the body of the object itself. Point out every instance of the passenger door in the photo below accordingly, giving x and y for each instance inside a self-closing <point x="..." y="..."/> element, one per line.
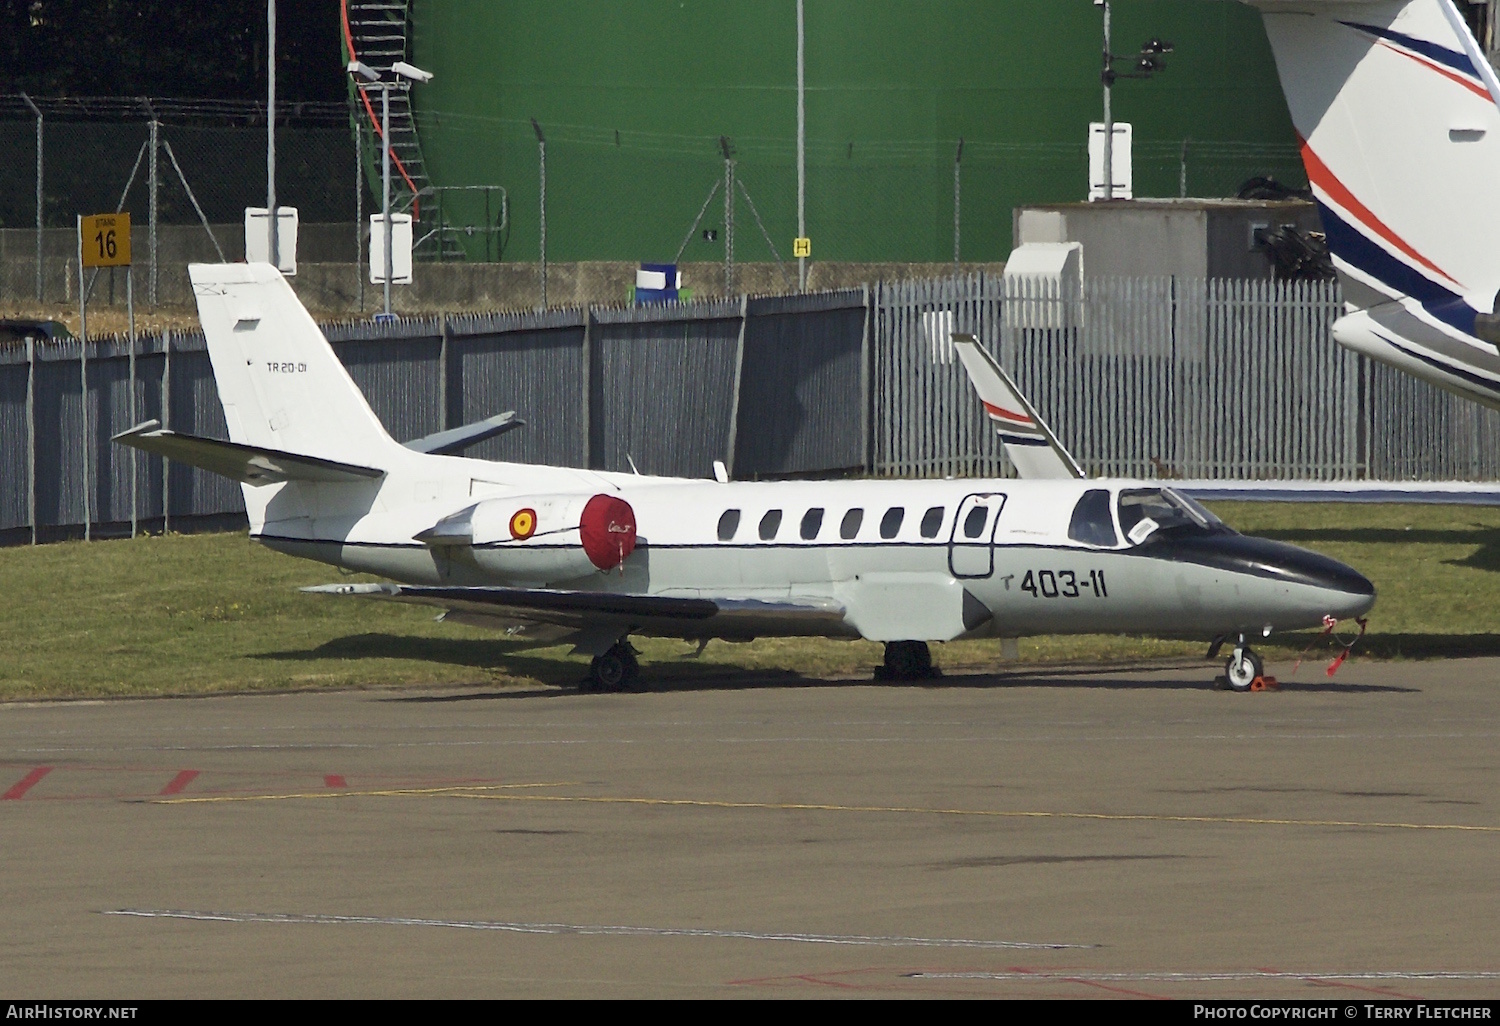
<point x="971" y="546"/>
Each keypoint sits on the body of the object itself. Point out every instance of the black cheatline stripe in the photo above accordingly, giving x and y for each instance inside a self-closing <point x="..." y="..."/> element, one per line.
<point x="1488" y="385"/>
<point x="1452" y="58"/>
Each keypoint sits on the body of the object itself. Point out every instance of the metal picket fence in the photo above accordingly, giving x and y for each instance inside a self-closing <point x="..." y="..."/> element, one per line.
<point x="1163" y="377"/>
<point x="1140" y="377"/>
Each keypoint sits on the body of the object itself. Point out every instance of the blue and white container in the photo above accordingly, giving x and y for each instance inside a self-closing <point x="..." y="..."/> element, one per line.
<point x="657" y="283"/>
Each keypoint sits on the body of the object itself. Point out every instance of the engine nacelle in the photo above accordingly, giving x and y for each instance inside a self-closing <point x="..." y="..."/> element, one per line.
<point x="541" y="538"/>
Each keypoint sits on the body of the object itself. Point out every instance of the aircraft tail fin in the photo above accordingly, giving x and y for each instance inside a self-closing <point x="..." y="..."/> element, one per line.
<point x="1396" y="111"/>
<point x="1029" y="442"/>
<point x="282" y="387"/>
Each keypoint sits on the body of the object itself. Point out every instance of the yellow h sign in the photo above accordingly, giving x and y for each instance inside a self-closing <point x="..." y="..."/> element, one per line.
<point x="802" y="247"/>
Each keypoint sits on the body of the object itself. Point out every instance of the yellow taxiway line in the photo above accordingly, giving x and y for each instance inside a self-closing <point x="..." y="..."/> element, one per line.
<point x="487" y="792"/>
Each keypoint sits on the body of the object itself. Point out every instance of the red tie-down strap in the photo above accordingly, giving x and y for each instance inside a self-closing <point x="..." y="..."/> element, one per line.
<point x="1329" y="623"/>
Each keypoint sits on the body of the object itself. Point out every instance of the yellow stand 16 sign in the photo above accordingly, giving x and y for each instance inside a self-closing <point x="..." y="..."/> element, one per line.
<point x="105" y="239"/>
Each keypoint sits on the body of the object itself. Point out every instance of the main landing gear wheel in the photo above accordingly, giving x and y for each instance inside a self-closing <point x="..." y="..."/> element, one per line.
<point x="615" y="670"/>
<point x="906" y="660"/>
<point x="1242" y="669"/>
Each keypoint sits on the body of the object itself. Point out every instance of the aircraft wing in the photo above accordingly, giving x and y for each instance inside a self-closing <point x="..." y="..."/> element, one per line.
<point x="596" y="619"/>
<point x="1029" y="443"/>
<point x="248" y="464"/>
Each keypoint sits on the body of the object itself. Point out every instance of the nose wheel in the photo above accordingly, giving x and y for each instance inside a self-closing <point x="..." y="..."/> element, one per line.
<point x="1243" y="667"/>
<point x="615" y="670"/>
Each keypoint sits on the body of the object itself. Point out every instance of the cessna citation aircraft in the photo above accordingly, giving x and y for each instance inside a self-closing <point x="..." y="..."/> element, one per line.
<point x="1396" y="109"/>
<point x="590" y="558"/>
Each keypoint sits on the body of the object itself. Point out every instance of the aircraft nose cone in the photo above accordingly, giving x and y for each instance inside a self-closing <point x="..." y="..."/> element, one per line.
<point x="1344" y="590"/>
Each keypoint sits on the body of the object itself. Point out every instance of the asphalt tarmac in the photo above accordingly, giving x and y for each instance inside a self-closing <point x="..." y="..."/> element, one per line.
<point x="1126" y="832"/>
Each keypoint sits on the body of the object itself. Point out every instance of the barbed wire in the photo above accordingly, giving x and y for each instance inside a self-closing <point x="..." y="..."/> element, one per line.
<point x="169" y="109"/>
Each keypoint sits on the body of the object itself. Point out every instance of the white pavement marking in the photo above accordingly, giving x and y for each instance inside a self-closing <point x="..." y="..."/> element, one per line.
<point x="596" y="930"/>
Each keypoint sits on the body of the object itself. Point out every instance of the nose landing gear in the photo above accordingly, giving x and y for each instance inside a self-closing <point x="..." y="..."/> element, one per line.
<point x="1243" y="668"/>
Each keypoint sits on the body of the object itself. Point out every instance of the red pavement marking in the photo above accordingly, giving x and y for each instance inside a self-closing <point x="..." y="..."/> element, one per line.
<point x="335" y="780"/>
<point x="25" y="784"/>
<point x="180" y="781"/>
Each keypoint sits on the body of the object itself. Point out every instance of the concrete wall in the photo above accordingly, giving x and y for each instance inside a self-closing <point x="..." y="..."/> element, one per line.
<point x="328" y="280"/>
<point x="1191" y="238"/>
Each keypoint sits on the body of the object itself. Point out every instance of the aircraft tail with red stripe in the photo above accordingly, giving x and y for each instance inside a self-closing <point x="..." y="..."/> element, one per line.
<point x="1398" y="115"/>
<point x="1028" y="441"/>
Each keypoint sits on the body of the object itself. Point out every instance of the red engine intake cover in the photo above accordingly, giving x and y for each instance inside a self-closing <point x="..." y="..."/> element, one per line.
<point x="608" y="530"/>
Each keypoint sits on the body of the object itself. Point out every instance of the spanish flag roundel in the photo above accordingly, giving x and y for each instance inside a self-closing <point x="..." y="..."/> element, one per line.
<point x="523" y="524"/>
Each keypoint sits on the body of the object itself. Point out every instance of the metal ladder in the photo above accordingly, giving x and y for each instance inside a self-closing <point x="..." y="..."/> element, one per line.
<point x="377" y="33"/>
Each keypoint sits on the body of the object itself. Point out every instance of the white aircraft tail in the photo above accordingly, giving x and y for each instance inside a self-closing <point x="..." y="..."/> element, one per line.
<point x="1396" y="111"/>
<point x="280" y="383"/>
<point x="1029" y="442"/>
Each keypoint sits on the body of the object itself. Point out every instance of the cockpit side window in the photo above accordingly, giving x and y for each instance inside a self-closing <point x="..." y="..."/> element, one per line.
<point x="770" y="524"/>
<point x="850" y="525"/>
<point x="728" y="524"/>
<point x="1092" y="523"/>
<point x="812" y="523"/>
<point x="1143" y="511"/>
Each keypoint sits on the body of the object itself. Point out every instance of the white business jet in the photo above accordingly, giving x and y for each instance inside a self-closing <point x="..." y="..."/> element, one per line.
<point x="590" y="558"/>
<point x="1395" y="107"/>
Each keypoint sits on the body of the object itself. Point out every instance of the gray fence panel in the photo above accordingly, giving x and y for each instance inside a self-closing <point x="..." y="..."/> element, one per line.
<point x="801" y="406"/>
<point x="540" y="374"/>
<point x="150" y="365"/>
<point x="109" y="414"/>
<point x="60" y="455"/>
<point x="663" y="393"/>
<point x="14" y="473"/>
<point x="195" y="410"/>
<point x="401" y="380"/>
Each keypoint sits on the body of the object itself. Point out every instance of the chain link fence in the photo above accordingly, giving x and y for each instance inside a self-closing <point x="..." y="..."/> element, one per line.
<point x="207" y="164"/>
<point x="723" y="207"/>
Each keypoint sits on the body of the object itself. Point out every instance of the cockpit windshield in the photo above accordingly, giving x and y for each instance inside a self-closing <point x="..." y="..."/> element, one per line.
<point x="1144" y="511"/>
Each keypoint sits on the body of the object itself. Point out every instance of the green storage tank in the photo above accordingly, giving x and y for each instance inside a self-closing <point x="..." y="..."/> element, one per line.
<point x="634" y="98"/>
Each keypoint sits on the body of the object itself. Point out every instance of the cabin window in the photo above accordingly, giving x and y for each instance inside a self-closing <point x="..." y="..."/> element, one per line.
<point x="850" y="525"/>
<point x="728" y="524"/>
<point x="812" y="523"/>
<point x="975" y="521"/>
<point x="770" y="524"/>
<point x="932" y="522"/>
<point x="890" y="524"/>
<point x="1092" y="523"/>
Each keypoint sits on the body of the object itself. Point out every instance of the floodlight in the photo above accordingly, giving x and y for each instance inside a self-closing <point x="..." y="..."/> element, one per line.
<point x="364" y="71"/>
<point x="408" y="71"/>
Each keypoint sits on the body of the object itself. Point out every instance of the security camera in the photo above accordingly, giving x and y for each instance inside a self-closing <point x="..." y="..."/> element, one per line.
<point x="407" y="71"/>
<point x="363" y="71"/>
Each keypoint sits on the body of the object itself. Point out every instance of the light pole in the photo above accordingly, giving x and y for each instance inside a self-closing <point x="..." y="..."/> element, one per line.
<point x="801" y="154"/>
<point x="1149" y="60"/>
<point x="405" y="74"/>
<point x="272" y="241"/>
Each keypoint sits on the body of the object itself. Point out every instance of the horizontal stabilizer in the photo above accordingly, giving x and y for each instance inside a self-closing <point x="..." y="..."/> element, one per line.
<point x="1028" y="441"/>
<point x="446" y="443"/>
<point x="247" y="464"/>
